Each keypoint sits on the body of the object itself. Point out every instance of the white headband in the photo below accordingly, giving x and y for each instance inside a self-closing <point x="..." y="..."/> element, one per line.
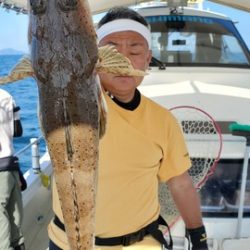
<point x="124" y="25"/>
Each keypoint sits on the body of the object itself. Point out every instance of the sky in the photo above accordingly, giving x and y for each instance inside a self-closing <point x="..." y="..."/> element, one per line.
<point x="13" y="27"/>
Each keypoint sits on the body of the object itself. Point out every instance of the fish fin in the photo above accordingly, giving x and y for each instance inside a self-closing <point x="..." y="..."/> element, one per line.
<point x="22" y="70"/>
<point x="102" y="109"/>
<point x="111" y="61"/>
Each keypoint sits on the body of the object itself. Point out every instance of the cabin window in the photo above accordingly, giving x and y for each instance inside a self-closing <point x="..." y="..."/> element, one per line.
<point x="231" y="51"/>
<point x="197" y="41"/>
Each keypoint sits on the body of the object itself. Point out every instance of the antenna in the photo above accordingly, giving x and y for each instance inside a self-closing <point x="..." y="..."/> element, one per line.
<point x="174" y="4"/>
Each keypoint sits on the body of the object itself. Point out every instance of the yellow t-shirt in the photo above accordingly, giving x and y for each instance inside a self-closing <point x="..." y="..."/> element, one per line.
<point x="140" y="147"/>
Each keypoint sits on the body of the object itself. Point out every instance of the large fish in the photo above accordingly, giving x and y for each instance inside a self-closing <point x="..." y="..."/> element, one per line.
<point x="63" y="56"/>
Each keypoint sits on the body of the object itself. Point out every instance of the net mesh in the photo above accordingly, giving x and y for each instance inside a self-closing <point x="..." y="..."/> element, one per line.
<point x="203" y="139"/>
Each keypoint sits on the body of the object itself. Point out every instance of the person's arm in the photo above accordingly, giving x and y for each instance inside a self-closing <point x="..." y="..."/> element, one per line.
<point x="18" y="129"/>
<point x="186" y="199"/>
<point x="188" y="203"/>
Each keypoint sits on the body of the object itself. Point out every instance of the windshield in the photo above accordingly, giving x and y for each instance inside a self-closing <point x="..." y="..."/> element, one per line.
<point x="196" y="40"/>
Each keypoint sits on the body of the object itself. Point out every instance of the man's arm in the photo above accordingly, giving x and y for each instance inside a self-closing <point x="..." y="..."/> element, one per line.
<point x="186" y="199"/>
<point x="188" y="203"/>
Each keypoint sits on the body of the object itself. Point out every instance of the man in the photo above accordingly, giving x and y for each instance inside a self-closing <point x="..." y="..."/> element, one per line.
<point x="11" y="207"/>
<point x="143" y="145"/>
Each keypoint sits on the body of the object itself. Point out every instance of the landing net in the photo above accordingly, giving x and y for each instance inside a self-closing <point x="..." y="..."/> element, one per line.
<point x="204" y="143"/>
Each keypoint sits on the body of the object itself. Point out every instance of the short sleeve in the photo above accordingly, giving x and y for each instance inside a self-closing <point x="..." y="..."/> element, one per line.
<point x="175" y="154"/>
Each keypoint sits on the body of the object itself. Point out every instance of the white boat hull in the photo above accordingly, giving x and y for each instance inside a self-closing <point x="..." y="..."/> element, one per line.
<point x="37" y="208"/>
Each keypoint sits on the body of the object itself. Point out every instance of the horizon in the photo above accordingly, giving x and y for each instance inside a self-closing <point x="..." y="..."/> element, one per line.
<point x="13" y="25"/>
<point x="12" y="50"/>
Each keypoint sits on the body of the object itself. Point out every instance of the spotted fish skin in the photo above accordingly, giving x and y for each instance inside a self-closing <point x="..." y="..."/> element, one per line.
<point x="63" y="55"/>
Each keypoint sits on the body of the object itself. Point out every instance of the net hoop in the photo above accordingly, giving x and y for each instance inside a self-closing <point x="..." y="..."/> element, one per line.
<point x="171" y="214"/>
<point x="218" y="130"/>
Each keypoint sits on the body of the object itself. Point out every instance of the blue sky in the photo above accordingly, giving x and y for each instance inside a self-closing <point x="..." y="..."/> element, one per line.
<point x="13" y="27"/>
<point x="13" y="30"/>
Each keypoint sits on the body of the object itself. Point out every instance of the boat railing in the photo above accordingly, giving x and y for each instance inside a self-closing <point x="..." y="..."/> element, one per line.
<point x="35" y="153"/>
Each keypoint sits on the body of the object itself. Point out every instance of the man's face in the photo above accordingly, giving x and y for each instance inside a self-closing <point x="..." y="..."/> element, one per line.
<point x="134" y="46"/>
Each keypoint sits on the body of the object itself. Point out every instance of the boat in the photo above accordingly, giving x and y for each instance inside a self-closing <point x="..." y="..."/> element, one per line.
<point x="199" y="60"/>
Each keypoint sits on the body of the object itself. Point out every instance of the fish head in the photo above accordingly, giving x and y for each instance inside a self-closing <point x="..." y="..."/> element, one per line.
<point x="62" y="40"/>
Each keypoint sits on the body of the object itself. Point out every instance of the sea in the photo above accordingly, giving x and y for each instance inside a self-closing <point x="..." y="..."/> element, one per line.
<point x="25" y="93"/>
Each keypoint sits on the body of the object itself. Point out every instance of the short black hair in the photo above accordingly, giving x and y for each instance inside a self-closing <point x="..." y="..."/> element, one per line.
<point x="122" y="13"/>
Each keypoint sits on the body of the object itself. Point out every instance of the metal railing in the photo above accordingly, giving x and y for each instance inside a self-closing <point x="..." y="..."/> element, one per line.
<point x="35" y="155"/>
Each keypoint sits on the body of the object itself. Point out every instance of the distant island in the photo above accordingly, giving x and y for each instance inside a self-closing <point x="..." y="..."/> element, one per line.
<point x="9" y="51"/>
